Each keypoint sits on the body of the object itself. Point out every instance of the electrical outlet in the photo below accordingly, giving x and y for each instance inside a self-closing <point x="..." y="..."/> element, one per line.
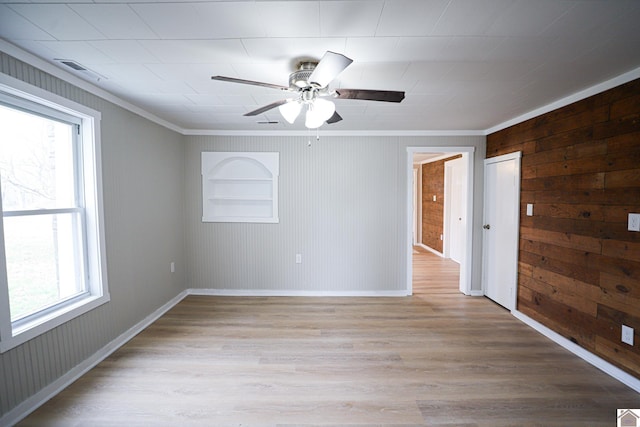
<point x="634" y="222"/>
<point x="298" y="258"/>
<point x="172" y="267"/>
<point x="627" y="334"/>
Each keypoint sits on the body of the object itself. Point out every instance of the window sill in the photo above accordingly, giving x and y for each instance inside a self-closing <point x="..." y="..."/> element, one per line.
<point x="53" y="319"/>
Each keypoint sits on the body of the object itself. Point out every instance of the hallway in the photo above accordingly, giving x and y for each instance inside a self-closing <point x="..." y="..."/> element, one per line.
<point x="433" y="274"/>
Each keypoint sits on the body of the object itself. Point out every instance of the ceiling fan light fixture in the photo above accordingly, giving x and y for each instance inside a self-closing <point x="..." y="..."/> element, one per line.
<point x="319" y="111"/>
<point x="290" y="111"/>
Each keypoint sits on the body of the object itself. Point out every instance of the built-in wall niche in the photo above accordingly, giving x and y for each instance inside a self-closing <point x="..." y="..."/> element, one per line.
<point x="240" y="187"/>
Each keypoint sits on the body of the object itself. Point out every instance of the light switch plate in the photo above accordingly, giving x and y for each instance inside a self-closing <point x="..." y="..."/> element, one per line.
<point x="634" y="222"/>
<point x="529" y="209"/>
<point x="627" y="334"/>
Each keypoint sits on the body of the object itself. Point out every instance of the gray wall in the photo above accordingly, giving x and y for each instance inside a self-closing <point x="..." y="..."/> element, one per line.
<point x="342" y="206"/>
<point x="143" y="183"/>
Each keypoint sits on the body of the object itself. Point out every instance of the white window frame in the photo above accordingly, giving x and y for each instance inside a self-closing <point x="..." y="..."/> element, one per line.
<point x="19" y="332"/>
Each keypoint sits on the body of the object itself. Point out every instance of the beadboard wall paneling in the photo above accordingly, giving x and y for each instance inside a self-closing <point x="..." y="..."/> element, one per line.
<point x="334" y="210"/>
<point x="143" y="183"/>
<point x="579" y="266"/>
<point x="342" y="207"/>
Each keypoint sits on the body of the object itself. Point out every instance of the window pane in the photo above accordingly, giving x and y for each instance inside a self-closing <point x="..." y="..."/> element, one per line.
<point x="36" y="161"/>
<point x="43" y="263"/>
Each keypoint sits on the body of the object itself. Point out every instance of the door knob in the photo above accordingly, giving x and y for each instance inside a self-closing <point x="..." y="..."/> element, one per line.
<point x="486" y="226"/>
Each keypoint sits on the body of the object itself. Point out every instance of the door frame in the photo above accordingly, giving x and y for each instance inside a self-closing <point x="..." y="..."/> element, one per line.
<point x="517" y="156"/>
<point x="466" y="262"/>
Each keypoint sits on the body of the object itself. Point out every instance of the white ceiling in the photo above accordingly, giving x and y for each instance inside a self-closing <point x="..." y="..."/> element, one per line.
<point x="465" y="65"/>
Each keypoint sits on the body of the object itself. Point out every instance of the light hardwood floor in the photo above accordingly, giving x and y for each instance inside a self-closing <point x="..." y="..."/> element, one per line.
<point x="435" y="359"/>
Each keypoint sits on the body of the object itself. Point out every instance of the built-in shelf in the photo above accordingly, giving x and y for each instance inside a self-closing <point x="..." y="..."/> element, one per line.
<point x="240" y="187"/>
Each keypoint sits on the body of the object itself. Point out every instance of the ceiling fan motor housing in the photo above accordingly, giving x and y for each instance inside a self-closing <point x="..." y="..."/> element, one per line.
<point x="300" y="77"/>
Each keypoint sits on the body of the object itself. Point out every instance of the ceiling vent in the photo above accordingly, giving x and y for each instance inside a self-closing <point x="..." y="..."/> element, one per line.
<point x="80" y="69"/>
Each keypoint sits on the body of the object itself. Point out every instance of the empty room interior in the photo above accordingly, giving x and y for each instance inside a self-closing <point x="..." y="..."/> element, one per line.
<point x="320" y="213"/>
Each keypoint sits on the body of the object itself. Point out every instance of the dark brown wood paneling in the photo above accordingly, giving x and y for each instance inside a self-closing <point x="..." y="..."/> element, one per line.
<point x="433" y="211"/>
<point x="579" y="269"/>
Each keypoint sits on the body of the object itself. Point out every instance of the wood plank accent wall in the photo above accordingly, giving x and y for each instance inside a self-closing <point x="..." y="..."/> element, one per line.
<point x="433" y="212"/>
<point x="579" y="270"/>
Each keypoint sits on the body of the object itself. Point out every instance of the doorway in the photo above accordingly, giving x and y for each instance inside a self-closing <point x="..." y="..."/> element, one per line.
<point x="465" y="257"/>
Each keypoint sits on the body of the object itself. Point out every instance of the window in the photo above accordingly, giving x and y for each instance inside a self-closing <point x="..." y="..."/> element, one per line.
<point x="52" y="265"/>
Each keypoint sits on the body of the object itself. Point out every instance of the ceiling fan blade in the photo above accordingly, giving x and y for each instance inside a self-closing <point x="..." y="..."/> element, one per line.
<point x="267" y="107"/>
<point x="249" y="82"/>
<point x="335" y="118"/>
<point x="328" y="68"/>
<point x="370" y="95"/>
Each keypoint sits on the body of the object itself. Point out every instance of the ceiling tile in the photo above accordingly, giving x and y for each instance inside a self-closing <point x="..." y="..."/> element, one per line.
<point x="190" y="73"/>
<point x="125" y="51"/>
<point x="410" y="17"/>
<point x="349" y="18"/>
<point x="475" y="48"/>
<point x="396" y="49"/>
<point x="535" y="49"/>
<point x="204" y="99"/>
<point x="15" y="26"/>
<point x="58" y="20"/>
<point x="376" y="75"/>
<point x="173" y="20"/>
<point x="196" y="51"/>
<point x="129" y="73"/>
<point x="202" y="20"/>
<point x="216" y="109"/>
<point x="246" y="100"/>
<point x="230" y="20"/>
<point x="292" y="49"/>
<point x="115" y="21"/>
<point x="528" y="18"/>
<point x="161" y="98"/>
<point x="274" y="72"/>
<point x="469" y="17"/>
<point x="290" y="18"/>
<point x="80" y="51"/>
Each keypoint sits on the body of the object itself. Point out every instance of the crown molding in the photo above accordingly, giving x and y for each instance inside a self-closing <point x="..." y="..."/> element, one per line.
<point x="313" y="134"/>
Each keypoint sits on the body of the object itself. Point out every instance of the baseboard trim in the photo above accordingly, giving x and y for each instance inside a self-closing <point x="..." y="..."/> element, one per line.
<point x="430" y="249"/>
<point x="587" y="356"/>
<point x="34" y="402"/>
<point x="476" y="293"/>
<point x="292" y="293"/>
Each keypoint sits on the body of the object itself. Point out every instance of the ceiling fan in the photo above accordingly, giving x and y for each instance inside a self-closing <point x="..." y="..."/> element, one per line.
<point x="309" y="83"/>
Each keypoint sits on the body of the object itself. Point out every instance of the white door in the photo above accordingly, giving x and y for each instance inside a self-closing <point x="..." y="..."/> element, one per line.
<point x="501" y="228"/>
<point x="455" y="208"/>
<point x="414" y="240"/>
